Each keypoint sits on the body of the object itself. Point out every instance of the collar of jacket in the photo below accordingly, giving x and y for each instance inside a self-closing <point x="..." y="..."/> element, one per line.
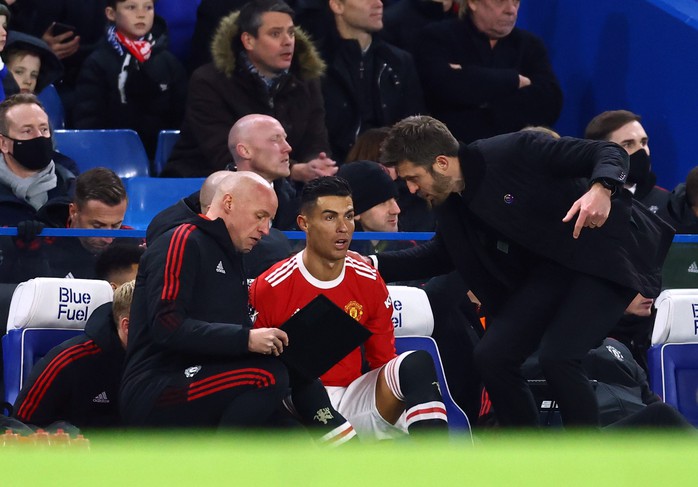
<point x="102" y="329"/>
<point x="306" y="64"/>
<point x="217" y="230"/>
<point x="473" y="170"/>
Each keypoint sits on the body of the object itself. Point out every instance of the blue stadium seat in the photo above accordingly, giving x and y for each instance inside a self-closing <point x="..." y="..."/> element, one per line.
<point x="45" y="312"/>
<point x="673" y="358"/>
<point x="121" y="150"/>
<point x="148" y="196"/>
<point x="54" y="107"/>
<point x="166" y="141"/>
<point x="180" y="16"/>
<point x="457" y="420"/>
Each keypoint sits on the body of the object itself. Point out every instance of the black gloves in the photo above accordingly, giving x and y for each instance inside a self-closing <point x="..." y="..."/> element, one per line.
<point x="29" y="229"/>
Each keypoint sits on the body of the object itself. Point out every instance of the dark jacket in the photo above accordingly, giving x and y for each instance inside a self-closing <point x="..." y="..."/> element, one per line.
<point x="269" y="250"/>
<point x="189" y="307"/>
<point x="518" y="187"/>
<point x="393" y="80"/>
<point x="154" y="91"/>
<point x="649" y="194"/>
<point x="404" y="20"/>
<point x="208" y="15"/>
<point x="223" y="91"/>
<point x="474" y="89"/>
<point x="678" y="213"/>
<point x="77" y="381"/>
<point x="14" y="210"/>
<point x="51" y="67"/>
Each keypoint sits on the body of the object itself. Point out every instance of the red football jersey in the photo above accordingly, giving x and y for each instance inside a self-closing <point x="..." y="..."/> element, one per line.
<point x="359" y="290"/>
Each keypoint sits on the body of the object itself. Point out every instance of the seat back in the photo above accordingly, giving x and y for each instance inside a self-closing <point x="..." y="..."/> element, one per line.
<point x="148" y="196"/>
<point x="166" y="141"/>
<point x="673" y="357"/>
<point x="45" y="312"/>
<point x="54" y="106"/>
<point x="180" y="16"/>
<point x="457" y="420"/>
<point x="121" y="150"/>
<point x="412" y="313"/>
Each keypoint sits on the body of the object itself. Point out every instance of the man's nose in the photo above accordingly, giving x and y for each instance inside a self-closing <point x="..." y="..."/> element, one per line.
<point x="412" y="187"/>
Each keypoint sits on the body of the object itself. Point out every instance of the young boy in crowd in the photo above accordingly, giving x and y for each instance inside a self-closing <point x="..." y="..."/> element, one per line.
<point x="32" y="63"/>
<point x="132" y="80"/>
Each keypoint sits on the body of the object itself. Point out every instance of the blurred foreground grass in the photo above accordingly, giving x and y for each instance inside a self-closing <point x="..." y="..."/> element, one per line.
<point x="264" y="458"/>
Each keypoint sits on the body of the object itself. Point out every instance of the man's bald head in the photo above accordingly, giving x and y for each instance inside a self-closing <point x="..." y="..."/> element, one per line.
<point x="208" y="189"/>
<point x="258" y="143"/>
<point x="247" y="204"/>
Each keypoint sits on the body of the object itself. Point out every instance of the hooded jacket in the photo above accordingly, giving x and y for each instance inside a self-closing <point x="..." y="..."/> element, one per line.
<point x="224" y="90"/>
<point x="153" y="93"/>
<point x="51" y="67"/>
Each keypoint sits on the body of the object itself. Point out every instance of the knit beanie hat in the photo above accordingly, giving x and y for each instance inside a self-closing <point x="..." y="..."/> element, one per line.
<point x="370" y="184"/>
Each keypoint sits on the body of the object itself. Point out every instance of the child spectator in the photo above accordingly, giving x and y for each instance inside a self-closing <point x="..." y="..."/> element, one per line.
<point x="132" y="80"/>
<point x="32" y="63"/>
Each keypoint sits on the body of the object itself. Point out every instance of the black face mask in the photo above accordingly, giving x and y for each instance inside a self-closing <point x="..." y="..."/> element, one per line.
<point x="34" y="154"/>
<point x="639" y="167"/>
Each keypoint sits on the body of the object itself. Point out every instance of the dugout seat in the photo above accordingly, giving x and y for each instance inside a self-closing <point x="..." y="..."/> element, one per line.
<point x="673" y="357"/>
<point x="414" y="323"/>
<point x="121" y="150"/>
<point x="166" y="141"/>
<point x="45" y="312"/>
<point x="148" y="196"/>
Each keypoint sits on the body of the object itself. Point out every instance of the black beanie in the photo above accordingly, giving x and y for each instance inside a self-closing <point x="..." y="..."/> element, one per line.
<point x="370" y="184"/>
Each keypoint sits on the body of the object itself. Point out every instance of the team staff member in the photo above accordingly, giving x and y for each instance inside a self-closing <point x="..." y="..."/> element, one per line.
<point x="511" y="210"/>
<point x="192" y="359"/>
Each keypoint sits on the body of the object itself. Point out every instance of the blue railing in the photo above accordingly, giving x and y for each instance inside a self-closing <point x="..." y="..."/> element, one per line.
<point x="293" y="235"/>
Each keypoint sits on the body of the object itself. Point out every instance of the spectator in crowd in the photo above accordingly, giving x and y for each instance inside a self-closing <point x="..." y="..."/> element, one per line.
<point x="30" y="180"/>
<point x="416" y="216"/>
<point x="262" y="63"/>
<point x="563" y="292"/>
<point x="404" y="20"/>
<point x="681" y="210"/>
<point x="624" y="128"/>
<point x="400" y="394"/>
<point x="71" y="28"/>
<point x="99" y="202"/>
<point x="192" y="359"/>
<point x="208" y="15"/>
<point x="32" y="64"/>
<point x="258" y="144"/>
<point x="369" y="83"/>
<point x="131" y="80"/>
<point x="78" y="380"/>
<point x="482" y="76"/>
<point x="118" y="263"/>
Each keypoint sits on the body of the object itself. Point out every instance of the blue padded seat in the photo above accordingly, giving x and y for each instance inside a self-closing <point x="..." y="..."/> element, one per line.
<point x="166" y="141"/>
<point x="148" y="196"/>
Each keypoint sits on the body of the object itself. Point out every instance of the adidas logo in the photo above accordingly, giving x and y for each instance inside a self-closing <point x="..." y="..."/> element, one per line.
<point x="101" y="398"/>
<point x="219" y="267"/>
<point x="693" y="268"/>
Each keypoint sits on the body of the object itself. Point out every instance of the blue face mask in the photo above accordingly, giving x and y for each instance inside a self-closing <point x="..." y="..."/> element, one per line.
<point x="33" y="154"/>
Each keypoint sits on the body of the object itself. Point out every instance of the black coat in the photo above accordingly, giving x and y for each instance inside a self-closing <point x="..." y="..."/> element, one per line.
<point x="518" y="187"/>
<point x="678" y="213"/>
<point x="404" y="20"/>
<point x="474" y="89"/>
<point x="394" y="81"/>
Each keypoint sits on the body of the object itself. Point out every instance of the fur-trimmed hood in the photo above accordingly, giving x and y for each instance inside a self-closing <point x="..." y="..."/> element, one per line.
<point x="306" y="63"/>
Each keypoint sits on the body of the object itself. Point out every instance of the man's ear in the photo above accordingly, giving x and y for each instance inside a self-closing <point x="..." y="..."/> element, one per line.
<point x="302" y="223"/>
<point x="5" y="144"/>
<point x="441" y="164"/>
<point x="248" y="41"/>
<point x="243" y="151"/>
<point x="72" y="210"/>
<point x="228" y="202"/>
<point x="124" y="324"/>
<point x="337" y="7"/>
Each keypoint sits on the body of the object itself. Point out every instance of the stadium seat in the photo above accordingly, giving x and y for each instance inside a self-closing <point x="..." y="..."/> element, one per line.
<point x="121" y="150"/>
<point x="148" y="196"/>
<point x="180" y="16"/>
<point x="457" y="420"/>
<point x="166" y="141"/>
<point x="54" y="107"/>
<point x="45" y="312"/>
<point x="412" y="313"/>
<point x="673" y="357"/>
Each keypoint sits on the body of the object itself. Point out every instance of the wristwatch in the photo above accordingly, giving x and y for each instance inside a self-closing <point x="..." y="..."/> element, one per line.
<point x="607" y="183"/>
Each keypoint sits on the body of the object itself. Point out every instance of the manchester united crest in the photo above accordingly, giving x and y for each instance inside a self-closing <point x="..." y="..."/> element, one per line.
<point x="354" y="309"/>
